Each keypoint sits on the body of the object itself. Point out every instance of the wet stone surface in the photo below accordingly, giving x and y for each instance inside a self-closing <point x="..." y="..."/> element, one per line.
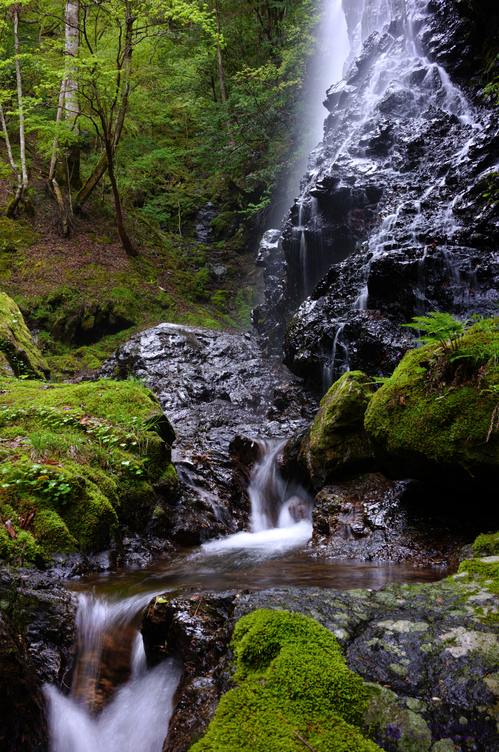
<point x="214" y="387"/>
<point x="427" y="652"/>
<point x="42" y="613"/>
<point x="392" y="220"/>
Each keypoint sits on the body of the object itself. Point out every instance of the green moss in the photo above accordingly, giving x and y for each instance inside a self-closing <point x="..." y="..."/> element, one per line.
<point x="245" y="300"/>
<point x="49" y="527"/>
<point x="442" y="406"/>
<point x="336" y="442"/>
<point x="293" y="682"/>
<point x="82" y="457"/>
<point x="487" y="544"/>
<point x="220" y="299"/>
<point x="20" y="356"/>
<point x="484" y="571"/>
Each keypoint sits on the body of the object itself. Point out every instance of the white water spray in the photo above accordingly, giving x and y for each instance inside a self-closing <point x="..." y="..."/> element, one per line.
<point x="280" y="512"/>
<point x="138" y="713"/>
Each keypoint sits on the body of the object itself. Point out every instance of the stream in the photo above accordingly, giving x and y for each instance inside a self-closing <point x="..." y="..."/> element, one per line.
<point x="275" y="553"/>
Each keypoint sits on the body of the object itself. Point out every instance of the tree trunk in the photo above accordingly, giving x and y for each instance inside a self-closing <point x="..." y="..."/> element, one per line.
<point x="71" y="102"/>
<point x="22" y="139"/>
<point x="221" y="71"/>
<point x="91" y="182"/>
<point x="127" y="244"/>
<point x="12" y="205"/>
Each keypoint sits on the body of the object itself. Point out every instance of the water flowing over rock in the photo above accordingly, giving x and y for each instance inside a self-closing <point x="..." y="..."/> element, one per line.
<point x="214" y="387"/>
<point x="392" y="220"/>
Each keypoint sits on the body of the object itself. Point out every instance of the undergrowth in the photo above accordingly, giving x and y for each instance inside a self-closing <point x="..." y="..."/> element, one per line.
<point x="74" y="460"/>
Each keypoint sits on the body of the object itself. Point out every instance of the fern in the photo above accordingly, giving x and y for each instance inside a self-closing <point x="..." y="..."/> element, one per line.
<point x="440" y="329"/>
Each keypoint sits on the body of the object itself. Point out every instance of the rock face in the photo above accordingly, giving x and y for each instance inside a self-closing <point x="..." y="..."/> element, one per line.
<point x="22" y="723"/>
<point x="214" y="387"/>
<point x="42" y="613"/>
<point x="193" y="627"/>
<point x="37" y="636"/>
<point x="371" y="517"/>
<point x="428" y="654"/>
<point x="19" y="355"/>
<point x="393" y="219"/>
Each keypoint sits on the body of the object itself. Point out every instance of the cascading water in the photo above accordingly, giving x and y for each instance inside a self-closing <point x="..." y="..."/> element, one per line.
<point x="280" y="511"/>
<point x="116" y="704"/>
<point x="392" y="187"/>
<point x="135" y="716"/>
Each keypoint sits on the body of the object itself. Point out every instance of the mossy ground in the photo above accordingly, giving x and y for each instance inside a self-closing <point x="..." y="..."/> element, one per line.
<point x="294" y="687"/>
<point x="444" y="406"/>
<point x="85" y="296"/>
<point x="80" y="457"/>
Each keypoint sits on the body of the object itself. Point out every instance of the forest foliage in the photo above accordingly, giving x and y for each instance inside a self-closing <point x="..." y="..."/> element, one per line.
<point x="180" y="100"/>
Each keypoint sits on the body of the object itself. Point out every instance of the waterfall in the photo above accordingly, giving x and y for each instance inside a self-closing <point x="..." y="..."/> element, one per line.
<point x="383" y="229"/>
<point x="99" y="715"/>
<point x="280" y="510"/>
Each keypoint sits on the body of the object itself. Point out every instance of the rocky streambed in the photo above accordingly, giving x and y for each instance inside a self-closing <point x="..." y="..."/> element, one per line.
<point x="428" y="653"/>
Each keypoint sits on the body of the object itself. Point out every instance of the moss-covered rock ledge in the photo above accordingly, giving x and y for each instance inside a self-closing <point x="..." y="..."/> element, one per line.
<point x="19" y="355"/>
<point x="438" y="414"/>
<point x="428" y="655"/>
<point x="76" y="461"/>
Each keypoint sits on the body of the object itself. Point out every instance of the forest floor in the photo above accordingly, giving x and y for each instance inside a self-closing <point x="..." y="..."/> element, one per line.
<point x="82" y="295"/>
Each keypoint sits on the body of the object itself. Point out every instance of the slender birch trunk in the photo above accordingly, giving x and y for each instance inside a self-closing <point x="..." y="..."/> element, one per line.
<point x="221" y="71"/>
<point x="71" y="102"/>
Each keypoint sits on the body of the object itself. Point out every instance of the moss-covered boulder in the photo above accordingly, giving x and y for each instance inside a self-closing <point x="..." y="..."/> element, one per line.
<point x="337" y="443"/>
<point x="438" y="414"/>
<point x="19" y="356"/>
<point x="76" y="460"/>
<point x="295" y="691"/>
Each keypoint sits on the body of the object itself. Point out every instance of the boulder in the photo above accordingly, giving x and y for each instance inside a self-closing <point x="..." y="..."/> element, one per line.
<point x="427" y="654"/>
<point x="79" y="460"/>
<point x="19" y="355"/>
<point x="437" y="415"/>
<point x="336" y="443"/>
<point x="370" y="517"/>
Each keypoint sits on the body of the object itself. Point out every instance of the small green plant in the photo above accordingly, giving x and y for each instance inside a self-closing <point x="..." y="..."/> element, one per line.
<point x="25" y="477"/>
<point x="445" y="332"/>
<point x="439" y="329"/>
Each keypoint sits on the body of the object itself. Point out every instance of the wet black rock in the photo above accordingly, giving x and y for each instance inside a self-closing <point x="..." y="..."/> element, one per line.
<point x="193" y="627"/>
<point x="204" y="230"/>
<point x="213" y="386"/>
<point x="43" y="613"/>
<point x="428" y="658"/>
<point x="23" y="727"/>
<point x="270" y="318"/>
<point x="374" y="518"/>
<point x="394" y="218"/>
<point x="37" y="636"/>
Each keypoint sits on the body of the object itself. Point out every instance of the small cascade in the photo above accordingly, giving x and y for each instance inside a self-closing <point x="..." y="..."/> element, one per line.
<point x="116" y="704"/>
<point x="280" y="510"/>
<point x="337" y="364"/>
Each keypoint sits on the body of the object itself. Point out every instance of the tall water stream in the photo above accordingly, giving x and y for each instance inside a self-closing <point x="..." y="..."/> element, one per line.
<point x="95" y="716"/>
